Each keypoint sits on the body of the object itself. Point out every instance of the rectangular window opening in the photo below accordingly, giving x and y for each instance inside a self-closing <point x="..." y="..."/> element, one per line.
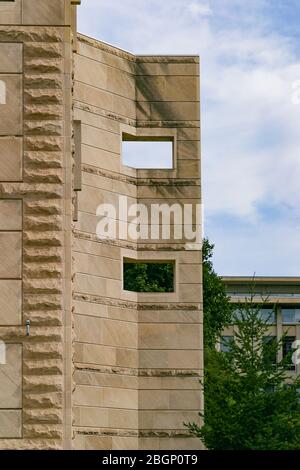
<point x="225" y="343"/>
<point x="270" y="349"/>
<point x="147" y="152"/>
<point x="287" y="349"/>
<point x="290" y="316"/>
<point x="148" y="276"/>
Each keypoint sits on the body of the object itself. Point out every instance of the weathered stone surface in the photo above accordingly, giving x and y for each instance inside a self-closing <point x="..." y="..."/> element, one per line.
<point x="43" y="223"/>
<point x="41" y="384"/>
<point x="11" y="158"/>
<point x="43" y="238"/>
<point x="44" y="431"/>
<point x="46" y="112"/>
<point x="10" y="214"/>
<point x="11" y="57"/>
<point x="138" y="358"/>
<point x="11" y="380"/>
<point x="43" y="81"/>
<point x="45" y="49"/>
<point x="42" y="160"/>
<point x="40" y="175"/>
<point x="10" y="255"/>
<point x="10" y="423"/>
<point x="11" y="105"/>
<point x="43" y="13"/>
<point x="43" y="128"/>
<point x="42" y="417"/>
<point x="42" y="351"/>
<point x="10" y="302"/>
<point x="42" y="301"/>
<point x="43" y="255"/>
<point x="43" y="143"/>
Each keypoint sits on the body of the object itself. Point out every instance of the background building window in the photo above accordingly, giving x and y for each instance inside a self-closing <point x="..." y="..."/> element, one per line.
<point x="288" y="351"/>
<point x="290" y="315"/>
<point x="225" y="343"/>
<point x="268" y="315"/>
<point x="270" y="350"/>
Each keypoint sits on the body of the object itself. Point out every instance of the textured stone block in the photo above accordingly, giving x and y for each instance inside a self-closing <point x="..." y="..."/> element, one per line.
<point x="10" y="214"/>
<point x="10" y="302"/>
<point x="10" y="255"/>
<point x="10" y="424"/>
<point x="11" y="378"/>
<point x="10" y="104"/>
<point x="11" y="57"/>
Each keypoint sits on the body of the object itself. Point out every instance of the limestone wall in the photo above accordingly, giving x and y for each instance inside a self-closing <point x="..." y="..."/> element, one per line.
<point x="138" y="357"/>
<point x="97" y="367"/>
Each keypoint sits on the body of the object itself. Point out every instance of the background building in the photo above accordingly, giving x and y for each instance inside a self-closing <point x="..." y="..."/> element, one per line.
<point x="87" y="364"/>
<point x="283" y="297"/>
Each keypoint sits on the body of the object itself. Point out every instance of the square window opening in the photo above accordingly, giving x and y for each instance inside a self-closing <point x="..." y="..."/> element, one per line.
<point x="148" y="152"/>
<point x="149" y="276"/>
<point x="225" y="343"/>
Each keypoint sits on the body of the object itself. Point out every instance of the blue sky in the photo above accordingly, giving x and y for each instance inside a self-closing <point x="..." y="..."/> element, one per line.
<point x="250" y="58"/>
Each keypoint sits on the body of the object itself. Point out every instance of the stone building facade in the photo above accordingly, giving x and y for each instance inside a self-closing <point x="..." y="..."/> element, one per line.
<point x="279" y="298"/>
<point x="85" y="364"/>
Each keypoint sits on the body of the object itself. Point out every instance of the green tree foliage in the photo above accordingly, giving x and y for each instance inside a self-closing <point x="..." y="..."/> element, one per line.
<point x="248" y="403"/>
<point x="217" y="309"/>
<point x="149" y="277"/>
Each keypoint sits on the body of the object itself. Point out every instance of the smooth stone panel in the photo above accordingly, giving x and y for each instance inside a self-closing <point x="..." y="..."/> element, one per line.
<point x="170" y="400"/>
<point x="11" y="378"/>
<point x="11" y="150"/>
<point x="11" y="57"/>
<point x="168" y="111"/>
<point x="10" y="303"/>
<point x="165" y="68"/>
<point x="167" y="88"/>
<point x="106" y="397"/>
<point x="163" y="419"/>
<point x="169" y="336"/>
<point x="43" y="12"/>
<point x="10" y="424"/>
<point x="10" y="255"/>
<point x="106" y="57"/>
<point x="10" y="214"/>
<point x="11" y="105"/>
<point x="10" y="12"/>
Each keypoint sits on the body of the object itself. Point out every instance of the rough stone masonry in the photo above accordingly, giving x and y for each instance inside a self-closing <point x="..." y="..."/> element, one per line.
<point x="89" y="365"/>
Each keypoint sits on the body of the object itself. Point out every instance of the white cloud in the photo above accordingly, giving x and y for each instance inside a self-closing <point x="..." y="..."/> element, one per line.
<point x="200" y="9"/>
<point x="250" y="128"/>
